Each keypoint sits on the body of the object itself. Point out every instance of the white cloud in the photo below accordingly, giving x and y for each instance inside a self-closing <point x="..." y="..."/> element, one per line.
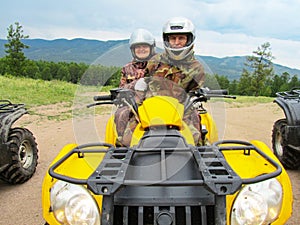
<point x="224" y="27"/>
<point x="210" y="43"/>
<point x="271" y="18"/>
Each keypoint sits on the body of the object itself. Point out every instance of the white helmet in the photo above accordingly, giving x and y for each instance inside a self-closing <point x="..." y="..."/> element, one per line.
<point x="179" y="25"/>
<point x="142" y="36"/>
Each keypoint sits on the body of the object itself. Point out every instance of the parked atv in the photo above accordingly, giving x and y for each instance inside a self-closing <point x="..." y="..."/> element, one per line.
<point x="163" y="177"/>
<point x="286" y="131"/>
<point x="19" y="152"/>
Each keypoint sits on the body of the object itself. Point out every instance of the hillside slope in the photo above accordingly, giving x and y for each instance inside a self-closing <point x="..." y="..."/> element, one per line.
<point x="116" y="52"/>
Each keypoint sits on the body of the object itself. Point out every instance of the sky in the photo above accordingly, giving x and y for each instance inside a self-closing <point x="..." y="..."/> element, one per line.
<point x="223" y="27"/>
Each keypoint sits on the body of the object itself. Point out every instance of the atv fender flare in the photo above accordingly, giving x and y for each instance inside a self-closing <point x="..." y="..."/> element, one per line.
<point x="291" y="108"/>
<point x="6" y="121"/>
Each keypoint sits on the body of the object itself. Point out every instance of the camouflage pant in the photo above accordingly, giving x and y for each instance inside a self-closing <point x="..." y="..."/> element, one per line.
<point x="193" y="121"/>
<point x="125" y="124"/>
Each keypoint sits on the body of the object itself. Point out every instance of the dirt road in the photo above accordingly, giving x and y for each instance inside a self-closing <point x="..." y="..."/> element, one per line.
<point x="21" y="204"/>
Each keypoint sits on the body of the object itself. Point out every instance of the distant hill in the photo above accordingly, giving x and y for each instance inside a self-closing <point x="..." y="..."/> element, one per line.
<point x="76" y="50"/>
<point x="232" y="67"/>
<point x="116" y="52"/>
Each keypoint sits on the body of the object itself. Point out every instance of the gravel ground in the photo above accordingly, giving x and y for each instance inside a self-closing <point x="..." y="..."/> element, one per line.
<point x="21" y="204"/>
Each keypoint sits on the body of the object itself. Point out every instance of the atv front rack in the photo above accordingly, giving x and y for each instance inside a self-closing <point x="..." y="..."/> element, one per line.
<point x="292" y="94"/>
<point x="6" y="106"/>
<point x="115" y="170"/>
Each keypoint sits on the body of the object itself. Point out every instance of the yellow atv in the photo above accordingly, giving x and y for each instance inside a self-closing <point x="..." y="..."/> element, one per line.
<point x="163" y="177"/>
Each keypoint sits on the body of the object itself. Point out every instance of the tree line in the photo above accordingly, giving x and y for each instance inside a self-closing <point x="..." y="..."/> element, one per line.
<point x="257" y="79"/>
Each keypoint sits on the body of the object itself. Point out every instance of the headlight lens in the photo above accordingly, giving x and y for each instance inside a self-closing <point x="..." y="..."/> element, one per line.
<point x="72" y="204"/>
<point x="258" y="203"/>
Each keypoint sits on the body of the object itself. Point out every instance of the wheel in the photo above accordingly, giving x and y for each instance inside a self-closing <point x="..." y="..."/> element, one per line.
<point x="289" y="157"/>
<point x="23" y="147"/>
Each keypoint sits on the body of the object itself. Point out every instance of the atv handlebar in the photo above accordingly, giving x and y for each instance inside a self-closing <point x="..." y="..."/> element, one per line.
<point x="217" y="92"/>
<point x="205" y="93"/>
<point x="112" y="96"/>
<point x="103" y="98"/>
<point x="116" y="96"/>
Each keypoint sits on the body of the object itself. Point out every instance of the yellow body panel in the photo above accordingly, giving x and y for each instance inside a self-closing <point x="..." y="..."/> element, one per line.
<point x="244" y="166"/>
<point x="211" y="127"/>
<point x="111" y="134"/>
<point x="167" y="111"/>
<point x="166" y="106"/>
<point x="139" y="132"/>
<point x="74" y="167"/>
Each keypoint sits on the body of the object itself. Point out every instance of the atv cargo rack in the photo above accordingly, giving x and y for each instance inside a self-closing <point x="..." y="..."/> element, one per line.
<point x="294" y="94"/>
<point x="214" y="171"/>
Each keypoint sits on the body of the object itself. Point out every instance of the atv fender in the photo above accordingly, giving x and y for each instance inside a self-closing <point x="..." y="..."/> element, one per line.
<point x="291" y="108"/>
<point x="283" y="178"/>
<point x="111" y="133"/>
<point x="243" y="165"/>
<point x="6" y="121"/>
<point x="210" y="125"/>
<point x="75" y="166"/>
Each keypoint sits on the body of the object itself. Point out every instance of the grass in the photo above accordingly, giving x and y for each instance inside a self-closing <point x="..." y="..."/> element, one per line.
<point x="244" y="101"/>
<point x="36" y="94"/>
<point x="59" y="96"/>
<point x="39" y="92"/>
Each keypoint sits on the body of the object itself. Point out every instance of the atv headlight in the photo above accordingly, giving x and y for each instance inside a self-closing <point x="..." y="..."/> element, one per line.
<point x="258" y="203"/>
<point x="73" y="204"/>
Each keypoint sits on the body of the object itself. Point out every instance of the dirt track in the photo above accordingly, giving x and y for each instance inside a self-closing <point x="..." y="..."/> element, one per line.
<point x="21" y="204"/>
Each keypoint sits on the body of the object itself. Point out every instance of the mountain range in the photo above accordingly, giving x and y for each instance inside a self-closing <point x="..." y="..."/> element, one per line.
<point x="117" y="53"/>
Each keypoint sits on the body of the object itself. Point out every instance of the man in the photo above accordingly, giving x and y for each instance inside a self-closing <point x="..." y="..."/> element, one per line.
<point x="177" y="64"/>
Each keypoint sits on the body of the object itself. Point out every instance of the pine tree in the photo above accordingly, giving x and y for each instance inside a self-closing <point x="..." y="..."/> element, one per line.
<point x="15" y="58"/>
<point x="261" y="69"/>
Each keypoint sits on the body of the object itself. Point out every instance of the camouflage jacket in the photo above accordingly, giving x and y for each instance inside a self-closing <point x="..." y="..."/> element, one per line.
<point x="132" y="72"/>
<point x="172" y="78"/>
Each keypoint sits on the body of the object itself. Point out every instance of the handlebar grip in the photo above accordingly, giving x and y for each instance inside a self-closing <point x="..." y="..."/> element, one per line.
<point x="103" y="98"/>
<point x="218" y="92"/>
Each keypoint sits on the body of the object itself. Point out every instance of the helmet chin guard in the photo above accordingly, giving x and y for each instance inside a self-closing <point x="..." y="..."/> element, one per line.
<point x="179" y="25"/>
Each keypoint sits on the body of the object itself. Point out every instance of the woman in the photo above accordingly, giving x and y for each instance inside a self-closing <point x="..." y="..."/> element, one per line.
<point x="142" y="46"/>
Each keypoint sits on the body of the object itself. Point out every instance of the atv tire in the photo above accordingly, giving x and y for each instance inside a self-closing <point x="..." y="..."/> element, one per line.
<point x="23" y="148"/>
<point x="288" y="156"/>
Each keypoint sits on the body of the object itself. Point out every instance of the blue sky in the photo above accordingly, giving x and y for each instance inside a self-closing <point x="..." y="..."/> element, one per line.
<point x="224" y="27"/>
